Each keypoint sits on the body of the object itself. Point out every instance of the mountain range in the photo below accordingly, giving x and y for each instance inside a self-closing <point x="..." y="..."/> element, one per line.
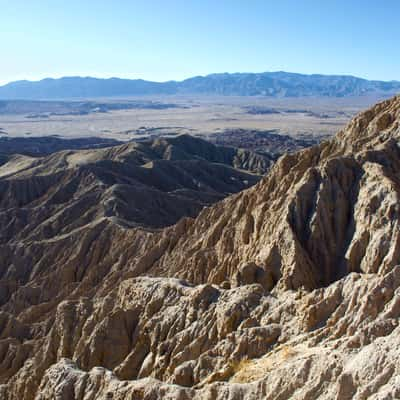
<point x="271" y="84"/>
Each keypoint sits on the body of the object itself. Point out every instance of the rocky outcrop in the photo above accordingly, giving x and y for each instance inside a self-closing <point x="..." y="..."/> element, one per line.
<point x="156" y="337"/>
<point x="73" y="218"/>
<point x="289" y="289"/>
<point x="318" y="215"/>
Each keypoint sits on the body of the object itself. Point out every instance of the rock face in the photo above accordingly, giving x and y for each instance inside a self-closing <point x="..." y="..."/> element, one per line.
<point x="151" y="184"/>
<point x="289" y="289"/>
<point x="318" y="215"/>
<point x="72" y="215"/>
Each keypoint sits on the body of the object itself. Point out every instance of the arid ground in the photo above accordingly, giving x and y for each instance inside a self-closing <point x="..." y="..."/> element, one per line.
<point x="304" y="117"/>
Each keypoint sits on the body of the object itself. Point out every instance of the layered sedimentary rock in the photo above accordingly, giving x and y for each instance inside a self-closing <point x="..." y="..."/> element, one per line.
<point x="289" y="289"/>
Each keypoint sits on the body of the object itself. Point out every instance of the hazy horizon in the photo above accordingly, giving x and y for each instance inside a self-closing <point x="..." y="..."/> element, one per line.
<point x="129" y="77"/>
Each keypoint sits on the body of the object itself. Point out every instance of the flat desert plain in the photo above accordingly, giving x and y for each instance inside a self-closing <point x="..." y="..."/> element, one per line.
<point x="297" y="117"/>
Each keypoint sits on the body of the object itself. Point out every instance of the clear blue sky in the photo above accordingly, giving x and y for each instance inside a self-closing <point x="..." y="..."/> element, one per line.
<point x="161" y="39"/>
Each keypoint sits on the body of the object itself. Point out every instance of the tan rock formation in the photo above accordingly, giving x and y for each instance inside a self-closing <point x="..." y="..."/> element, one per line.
<point x="290" y="289"/>
<point x="318" y="215"/>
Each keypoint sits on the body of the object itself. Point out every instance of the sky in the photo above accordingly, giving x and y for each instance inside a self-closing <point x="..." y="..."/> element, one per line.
<point x="172" y="40"/>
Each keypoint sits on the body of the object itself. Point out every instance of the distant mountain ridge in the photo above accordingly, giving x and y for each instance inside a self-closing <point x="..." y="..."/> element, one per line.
<point x="271" y="84"/>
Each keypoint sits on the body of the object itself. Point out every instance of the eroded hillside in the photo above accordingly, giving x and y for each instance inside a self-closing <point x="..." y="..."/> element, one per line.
<point x="289" y="289"/>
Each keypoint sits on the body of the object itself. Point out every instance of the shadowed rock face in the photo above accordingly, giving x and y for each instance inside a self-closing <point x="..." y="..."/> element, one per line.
<point x="59" y="213"/>
<point x="318" y="215"/>
<point x="152" y="184"/>
<point x="289" y="289"/>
